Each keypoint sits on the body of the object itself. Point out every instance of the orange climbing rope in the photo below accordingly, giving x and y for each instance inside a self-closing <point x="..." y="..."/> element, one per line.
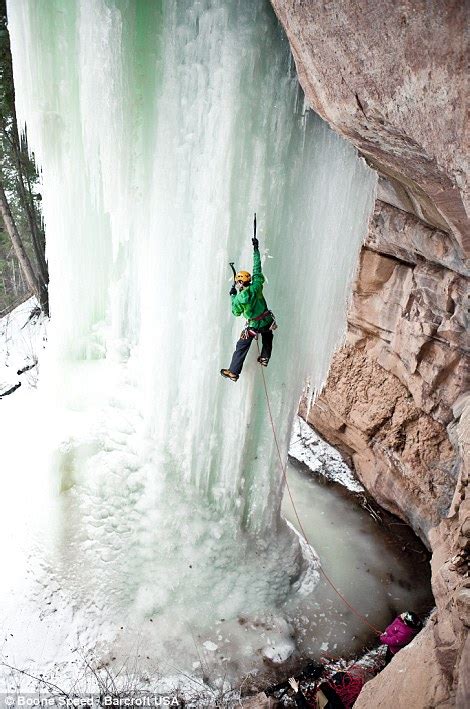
<point x="283" y="468"/>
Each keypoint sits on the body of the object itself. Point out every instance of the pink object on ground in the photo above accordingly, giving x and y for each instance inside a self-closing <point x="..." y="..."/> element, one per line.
<point x="398" y="634"/>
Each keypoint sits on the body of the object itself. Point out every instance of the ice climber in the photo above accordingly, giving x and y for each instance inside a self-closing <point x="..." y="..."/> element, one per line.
<point x="248" y="300"/>
<point x="400" y="633"/>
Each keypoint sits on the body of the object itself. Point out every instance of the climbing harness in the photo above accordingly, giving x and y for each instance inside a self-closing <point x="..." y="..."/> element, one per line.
<point x="247" y="333"/>
<point x="263" y="316"/>
<point x="284" y="474"/>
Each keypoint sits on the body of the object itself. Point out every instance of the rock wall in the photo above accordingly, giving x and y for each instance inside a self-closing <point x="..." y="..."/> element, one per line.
<point x="390" y="78"/>
<point x="433" y="670"/>
<point x="394" y="387"/>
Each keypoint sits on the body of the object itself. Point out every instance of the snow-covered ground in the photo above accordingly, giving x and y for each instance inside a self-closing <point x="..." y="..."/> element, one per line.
<point x="308" y="447"/>
<point x="23" y="334"/>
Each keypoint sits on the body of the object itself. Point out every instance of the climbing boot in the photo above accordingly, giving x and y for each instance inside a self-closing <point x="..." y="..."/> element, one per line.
<point x="229" y="375"/>
<point x="263" y="361"/>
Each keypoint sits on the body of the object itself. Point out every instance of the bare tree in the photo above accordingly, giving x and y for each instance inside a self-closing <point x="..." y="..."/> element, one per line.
<point x="19" y="199"/>
<point x="18" y="246"/>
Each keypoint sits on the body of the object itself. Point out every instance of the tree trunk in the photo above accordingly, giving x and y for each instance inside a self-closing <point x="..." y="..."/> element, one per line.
<point x="23" y="164"/>
<point x="40" y="260"/>
<point x="26" y="197"/>
<point x="21" y="255"/>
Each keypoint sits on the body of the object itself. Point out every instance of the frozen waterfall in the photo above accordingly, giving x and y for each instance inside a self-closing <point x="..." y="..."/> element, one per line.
<point x="160" y="127"/>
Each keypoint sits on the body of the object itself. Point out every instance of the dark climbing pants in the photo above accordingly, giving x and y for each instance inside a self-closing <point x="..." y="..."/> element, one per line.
<point x="241" y="350"/>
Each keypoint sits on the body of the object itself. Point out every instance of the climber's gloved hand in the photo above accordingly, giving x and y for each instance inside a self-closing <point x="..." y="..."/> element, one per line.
<point x="233" y="290"/>
<point x="255" y="243"/>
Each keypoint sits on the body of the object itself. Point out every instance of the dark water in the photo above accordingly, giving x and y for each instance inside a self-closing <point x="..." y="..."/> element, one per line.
<point x="373" y="558"/>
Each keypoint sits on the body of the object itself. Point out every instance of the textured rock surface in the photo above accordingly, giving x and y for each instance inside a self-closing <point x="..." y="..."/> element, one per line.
<point x="393" y="386"/>
<point x="401" y="454"/>
<point x="393" y="403"/>
<point x="433" y="670"/>
<point x="390" y="77"/>
<point x="395" y="232"/>
<point x="415" y="316"/>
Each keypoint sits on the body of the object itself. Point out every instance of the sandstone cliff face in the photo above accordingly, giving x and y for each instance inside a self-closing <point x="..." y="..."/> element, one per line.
<point x="393" y="387"/>
<point x="433" y="670"/>
<point x="414" y="305"/>
<point x="390" y="78"/>
<point x="402" y="455"/>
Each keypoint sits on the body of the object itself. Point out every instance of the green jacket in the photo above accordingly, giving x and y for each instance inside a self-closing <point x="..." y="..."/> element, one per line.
<point x="250" y="301"/>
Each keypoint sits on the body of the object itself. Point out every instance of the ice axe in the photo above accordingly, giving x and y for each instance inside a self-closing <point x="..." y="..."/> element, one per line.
<point x="232" y="263"/>
<point x="254" y="240"/>
<point x="232" y="266"/>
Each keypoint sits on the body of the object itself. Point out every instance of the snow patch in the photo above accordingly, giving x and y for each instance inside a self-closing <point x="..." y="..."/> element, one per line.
<point x="309" y="448"/>
<point x="279" y="653"/>
<point x="22" y="338"/>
